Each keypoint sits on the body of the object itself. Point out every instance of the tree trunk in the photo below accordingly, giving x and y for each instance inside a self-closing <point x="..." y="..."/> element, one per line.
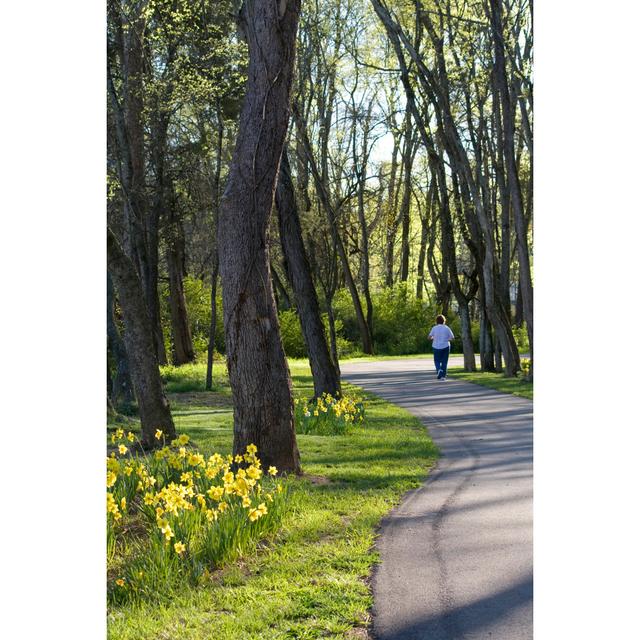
<point x="208" y="385"/>
<point x="258" y="371"/>
<point x="138" y="338"/>
<point x="181" y="333"/>
<point x="467" y="339"/>
<point x="121" y="391"/>
<point x="215" y="257"/>
<point x="325" y="377"/>
<point x="512" y="170"/>
<point x="486" y="344"/>
<point x="365" y="333"/>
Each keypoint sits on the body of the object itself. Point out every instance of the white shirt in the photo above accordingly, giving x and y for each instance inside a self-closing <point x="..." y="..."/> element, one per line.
<point x="441" y="336"/>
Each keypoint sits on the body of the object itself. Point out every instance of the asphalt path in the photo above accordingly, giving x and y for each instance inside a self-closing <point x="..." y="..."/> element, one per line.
<point x="457" y="553"/>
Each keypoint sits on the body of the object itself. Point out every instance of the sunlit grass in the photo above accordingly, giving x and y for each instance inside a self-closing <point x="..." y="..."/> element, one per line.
<point x="515" y="386"/>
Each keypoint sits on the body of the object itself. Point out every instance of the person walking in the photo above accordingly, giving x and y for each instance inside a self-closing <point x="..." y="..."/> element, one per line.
<point x="440" y="335"/>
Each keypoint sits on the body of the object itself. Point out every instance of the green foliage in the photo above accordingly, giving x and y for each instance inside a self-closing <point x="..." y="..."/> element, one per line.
<point x="293" y="340"/>
<point x="522" y="338"/>
<point x="401" y="321"/>
<point x="197" y="295"/>
<point x="291" y="334"/>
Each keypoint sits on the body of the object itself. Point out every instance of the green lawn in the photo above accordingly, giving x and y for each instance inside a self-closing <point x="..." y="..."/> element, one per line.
<point x="515" y="386"/>
<point x="312" y="580"/>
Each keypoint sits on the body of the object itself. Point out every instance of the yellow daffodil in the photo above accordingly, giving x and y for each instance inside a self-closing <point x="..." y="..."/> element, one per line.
<point x="180" y="547"/>
<point x="159" y="434"/>
<point x="122" y="449"/>
<point x="215" y="493"/>
<point x="272" y="471"/>
<point x="120" y="582"/>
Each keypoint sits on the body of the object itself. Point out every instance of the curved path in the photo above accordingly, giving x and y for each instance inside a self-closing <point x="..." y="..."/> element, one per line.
<point x="456" y="554"/>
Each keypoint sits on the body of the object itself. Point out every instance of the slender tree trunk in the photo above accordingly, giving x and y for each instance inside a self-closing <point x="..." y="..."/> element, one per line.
<point x="258" y="371"/>
<point x="365" y="333"/>
<point x="467" y="339"/>
<point x="486" y="344"/>
<point x="282" y="297"/>
<point x="121" y="390"/>
<point x="325" y="377"/>
<point x="138" y="338"/>
<point x="183" y="352"/>
<point x="215" y="258"/>
<point x="208" y="385"/>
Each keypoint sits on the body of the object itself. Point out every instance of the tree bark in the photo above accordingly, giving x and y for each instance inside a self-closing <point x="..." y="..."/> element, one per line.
<point x="138" y="338"/>
<point x="515" y="192"/>
<point x="183" y="352"/>
<point x="258" y="371"/>
<point x="121" y="391"/>
<point x="325" y="377"/>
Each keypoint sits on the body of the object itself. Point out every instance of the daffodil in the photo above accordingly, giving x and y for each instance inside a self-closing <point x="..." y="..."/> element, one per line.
<point x="180" y="547"/>
<point x="215" y="493"/>
<point x="272" y="471"/>
<point x="122" y="449"/>
<point x="111" y="478"/>
<point x="159" y="434"/>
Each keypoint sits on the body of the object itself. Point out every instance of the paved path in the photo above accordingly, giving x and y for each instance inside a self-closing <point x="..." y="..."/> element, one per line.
<point x="456" y="554"/>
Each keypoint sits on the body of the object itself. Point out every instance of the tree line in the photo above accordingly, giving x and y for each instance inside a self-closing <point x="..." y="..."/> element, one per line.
<point x="289" y="152"/>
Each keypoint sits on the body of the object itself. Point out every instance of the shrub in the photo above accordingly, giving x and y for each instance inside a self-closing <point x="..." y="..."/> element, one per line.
<point x="327" y="415"/>
<point x="293" y="340"/>
<point x="173" y="516"/>
<point x="291" y="334"/>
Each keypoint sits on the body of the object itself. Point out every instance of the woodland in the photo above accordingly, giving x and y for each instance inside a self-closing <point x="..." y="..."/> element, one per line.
<point x="315" y="180"/>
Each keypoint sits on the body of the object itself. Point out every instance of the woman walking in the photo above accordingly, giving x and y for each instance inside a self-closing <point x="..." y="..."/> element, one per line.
<point x="440" y="335"/>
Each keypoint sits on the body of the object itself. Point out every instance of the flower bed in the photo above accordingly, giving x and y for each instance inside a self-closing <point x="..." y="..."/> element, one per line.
<point x="174" y="515"/>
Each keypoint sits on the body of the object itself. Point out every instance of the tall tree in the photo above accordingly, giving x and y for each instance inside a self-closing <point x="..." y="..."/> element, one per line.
<point x="138" y="337"/>
<point x="258" y="371"/>
<point x="325" y="376"/>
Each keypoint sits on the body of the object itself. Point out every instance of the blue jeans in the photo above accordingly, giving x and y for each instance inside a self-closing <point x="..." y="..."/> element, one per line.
<point x="441" y="358"/>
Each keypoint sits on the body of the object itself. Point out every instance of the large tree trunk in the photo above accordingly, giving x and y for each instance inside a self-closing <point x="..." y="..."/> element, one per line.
<point x="325" y="377"/>
<point x="258" y="371"/>
<point x="138" y="338"/>
<point x="121" y="391"/>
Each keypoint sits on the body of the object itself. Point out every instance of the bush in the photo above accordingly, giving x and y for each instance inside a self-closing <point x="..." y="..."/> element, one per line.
<point x="328" y="416"/>
<point x="174" y="516"/>
<point x="293" y="340"/>
<point x="291" y="334"/>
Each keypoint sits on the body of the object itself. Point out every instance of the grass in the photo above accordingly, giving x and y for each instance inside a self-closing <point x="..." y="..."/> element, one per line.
<point x="311" y="579"/>
<point x="497" y="381"/>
